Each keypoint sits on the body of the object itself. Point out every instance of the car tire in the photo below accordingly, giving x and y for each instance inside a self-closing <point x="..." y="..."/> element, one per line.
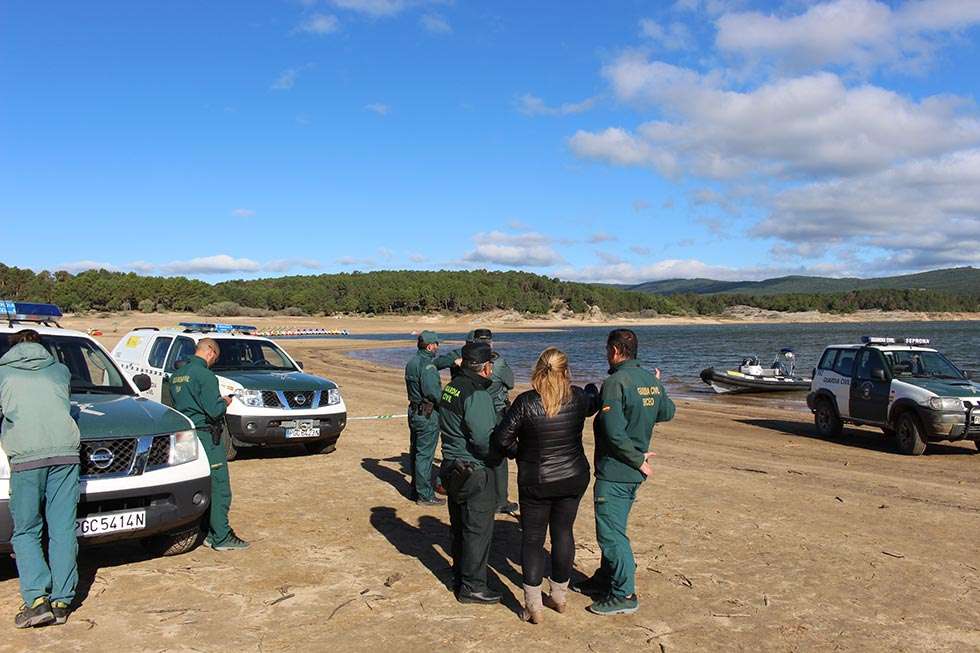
<point x="174" y="543"/>
<point x="908" y="434"/>
<point x="314" y="448"/>
<point x="826" y="419"/>
<point x="231" y="451"/>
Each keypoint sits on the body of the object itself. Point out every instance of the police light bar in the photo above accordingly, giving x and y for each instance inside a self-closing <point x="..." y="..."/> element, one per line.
<point x="872" y="340"/>
<point x="218" y="328"/>
<point x="29" y="312"/>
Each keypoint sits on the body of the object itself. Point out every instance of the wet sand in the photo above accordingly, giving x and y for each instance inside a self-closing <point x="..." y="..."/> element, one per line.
<point x="753" y="534"/>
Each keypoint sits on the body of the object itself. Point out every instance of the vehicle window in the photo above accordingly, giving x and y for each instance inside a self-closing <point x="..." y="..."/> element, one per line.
<point x="158" y="353"/>
<point x="869" y="361"/>
<point x="91" y="370"/>
<point x="250" y="355"/>
<point x="182" y="350"/>
<point x="845" y="363"/>
<point x="922" y="364"/>
<point x="829" y="356"/>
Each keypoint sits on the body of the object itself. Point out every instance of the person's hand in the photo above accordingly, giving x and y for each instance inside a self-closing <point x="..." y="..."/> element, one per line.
<point x="645" y="468"/>
<point x="228" y="400"/>
<point x="656" y="372"/>
<point x="458" y="362"/>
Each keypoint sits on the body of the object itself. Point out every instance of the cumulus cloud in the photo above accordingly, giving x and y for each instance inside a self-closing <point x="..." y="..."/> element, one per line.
<point x="609" y="258"/>
<point x="640" y="250"/>
<point x="373" y="8"/>
<point x="672" y="36"/>
<point x="75" y="267"/>
<point x="601" y="237"/>
<point x="628" y="273"/>
<point x="379" y="108"/>
<point x="435" y="24"/>
<point x="319" y="24"/>
<point x="217" y="264"/>
<point x="352" y="262"/>
<point x="287" y="79"/>
<point x="811" y="125"/>
<point x="532" y="105"/>
<point x="518" y="250"/>
<point x="859" y="33"/>
<point x="285" y="264"/>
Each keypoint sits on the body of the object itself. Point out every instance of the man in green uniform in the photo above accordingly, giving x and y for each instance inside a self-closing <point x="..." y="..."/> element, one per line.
<point x="633" y="401"/>
<point x="424" y="392"/>
<point x="466" y="420"/>
<point x="41" y="441"/>
<point x="194" y="389"/>
<point x="501" y="383"/>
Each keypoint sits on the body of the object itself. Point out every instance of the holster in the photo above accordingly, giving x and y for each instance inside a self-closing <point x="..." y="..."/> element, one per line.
<point x="423" y="408"/>
<point x="459" y="473"/>
<point x="216" y="430"/>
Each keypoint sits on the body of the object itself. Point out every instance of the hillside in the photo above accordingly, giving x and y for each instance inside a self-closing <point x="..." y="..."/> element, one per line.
<point x="954" y="280"/>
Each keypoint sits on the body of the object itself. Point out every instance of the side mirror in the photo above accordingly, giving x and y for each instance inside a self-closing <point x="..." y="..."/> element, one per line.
<point x="299" y="364"/>
<point x="142" y="382"/>
<point x="878" y="374"/>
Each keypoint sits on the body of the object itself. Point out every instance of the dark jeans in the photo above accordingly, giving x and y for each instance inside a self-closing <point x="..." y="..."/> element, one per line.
<point x="472" y="506"/>
<point x="549" y="507"/>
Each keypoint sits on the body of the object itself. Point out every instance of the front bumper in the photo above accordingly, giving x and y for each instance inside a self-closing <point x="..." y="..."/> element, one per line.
<point x="168" y="508"/>
<point x="271" y="430"/>
<point x="950" y="425"/>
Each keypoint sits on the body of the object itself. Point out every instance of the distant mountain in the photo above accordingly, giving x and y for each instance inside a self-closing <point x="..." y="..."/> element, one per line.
<point x="954" y="280"/>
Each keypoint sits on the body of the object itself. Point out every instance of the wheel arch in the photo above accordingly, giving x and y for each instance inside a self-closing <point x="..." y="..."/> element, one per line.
<point x="903" y="406"/>
<point x="824" y="394"/>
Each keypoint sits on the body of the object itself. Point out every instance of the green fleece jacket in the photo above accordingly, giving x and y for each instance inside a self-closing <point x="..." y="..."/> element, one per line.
<point x="35" y="398"/>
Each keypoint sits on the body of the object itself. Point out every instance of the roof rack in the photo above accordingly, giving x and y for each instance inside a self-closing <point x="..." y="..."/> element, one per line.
<point x="29" y="312"/>
<point x="211" y="327"/>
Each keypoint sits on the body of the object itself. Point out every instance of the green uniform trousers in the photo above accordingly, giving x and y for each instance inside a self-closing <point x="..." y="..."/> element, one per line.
<point x="613" y="501"/>
<point x="56" y="489"/>
<point x="472" y="506"/>
<point x="501" y="474"/>
<point x="425" y="436"/>
<point x="218" y="528"/>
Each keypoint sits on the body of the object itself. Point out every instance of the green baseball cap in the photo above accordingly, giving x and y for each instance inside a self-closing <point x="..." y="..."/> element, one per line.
<point x="429" y="337"/>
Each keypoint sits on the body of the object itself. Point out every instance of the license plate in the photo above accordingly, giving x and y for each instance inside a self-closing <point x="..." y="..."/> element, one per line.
<point x="93" y="525"/>
<point x="305" y="428"/>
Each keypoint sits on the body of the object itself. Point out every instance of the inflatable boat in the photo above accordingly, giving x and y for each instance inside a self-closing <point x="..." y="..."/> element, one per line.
<point x="752" y="377"/>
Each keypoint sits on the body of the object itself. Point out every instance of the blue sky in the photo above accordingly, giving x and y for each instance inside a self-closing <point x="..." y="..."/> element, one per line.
<point x="620" y="142"/>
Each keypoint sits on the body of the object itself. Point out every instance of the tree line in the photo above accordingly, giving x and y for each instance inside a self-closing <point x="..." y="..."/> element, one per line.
<point x="406" y="292"/>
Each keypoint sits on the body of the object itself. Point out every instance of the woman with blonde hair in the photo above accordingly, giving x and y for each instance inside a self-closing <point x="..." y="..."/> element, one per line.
<point x="542" y="429"/>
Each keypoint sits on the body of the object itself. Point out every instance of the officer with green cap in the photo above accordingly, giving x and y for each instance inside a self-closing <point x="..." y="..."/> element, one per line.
<point x="194" y="391"/>
<point x="501" y="383"/>
<point x="466" y="420"/>
<point x="424" y="391"/>
<point x="633" y="401"/>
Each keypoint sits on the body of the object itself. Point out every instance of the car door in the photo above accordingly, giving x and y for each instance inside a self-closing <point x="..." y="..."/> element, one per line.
<point x="155" y="361"/>
<point x="181" y="351"/>
<point x="870" y="387"/>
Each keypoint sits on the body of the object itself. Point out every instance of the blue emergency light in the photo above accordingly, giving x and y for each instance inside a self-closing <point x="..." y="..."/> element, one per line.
<point x="28" y="311"/>
<point x="218" y="328"/>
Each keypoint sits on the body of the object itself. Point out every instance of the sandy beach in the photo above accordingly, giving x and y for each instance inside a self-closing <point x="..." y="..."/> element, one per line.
<point x="753" y="534"/>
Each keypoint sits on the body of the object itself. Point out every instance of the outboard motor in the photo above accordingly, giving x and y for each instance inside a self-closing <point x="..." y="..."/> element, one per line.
<point x="785" y="362"/>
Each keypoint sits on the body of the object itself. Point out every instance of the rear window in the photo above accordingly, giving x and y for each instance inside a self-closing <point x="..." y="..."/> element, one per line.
<point x="158" y="353"/>
<point x="829" y="356"/>
<point x="845" y="362"/>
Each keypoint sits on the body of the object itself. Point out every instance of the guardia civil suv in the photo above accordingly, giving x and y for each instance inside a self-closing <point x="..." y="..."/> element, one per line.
<point x="275" y="402"/>
<point x="143" y="475"/>
<point x="909" y="390"/>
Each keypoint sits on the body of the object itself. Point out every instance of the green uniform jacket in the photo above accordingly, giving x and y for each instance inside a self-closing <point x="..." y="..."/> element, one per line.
<point x="194" y="389"/>
<point x="422" y="378"/>
<point x="467" y="419"/>
<point x="633" y="401"/>
<point x="501" y="382"/>
<point x="35" y="398"/>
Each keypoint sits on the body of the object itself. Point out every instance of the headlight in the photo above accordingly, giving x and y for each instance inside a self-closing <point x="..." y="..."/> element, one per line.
<point x="251" y="398"/>
<point x="333" y="397"/>
<point x="946" y="404"/>
<point x="183" y="447"/>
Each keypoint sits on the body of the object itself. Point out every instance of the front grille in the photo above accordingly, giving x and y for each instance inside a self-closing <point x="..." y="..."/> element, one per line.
<point x="270" y="399"/>
<point x="302" y="399"/>
<point x="159" y="452"/>
<point x="122" y="452"/>
<point x="86" y="508"/>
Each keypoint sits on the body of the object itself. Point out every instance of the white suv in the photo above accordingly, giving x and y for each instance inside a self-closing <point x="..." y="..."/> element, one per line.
<point x="143" y="475"/>
<point x="909" y="390"/>
<point x="275" y="403"/>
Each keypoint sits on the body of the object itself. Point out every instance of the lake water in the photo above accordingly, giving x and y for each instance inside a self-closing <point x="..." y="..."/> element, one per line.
<point x="681" y="352"/>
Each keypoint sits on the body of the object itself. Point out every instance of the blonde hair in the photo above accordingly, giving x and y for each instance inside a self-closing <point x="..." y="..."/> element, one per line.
<point x="552" y="380"/>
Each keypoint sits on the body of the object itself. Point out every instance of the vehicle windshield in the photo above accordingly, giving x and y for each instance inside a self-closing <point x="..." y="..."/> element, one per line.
<point x="250" y="355"/>
<point x="92" y="371"/>
<point x="921" y="364"/>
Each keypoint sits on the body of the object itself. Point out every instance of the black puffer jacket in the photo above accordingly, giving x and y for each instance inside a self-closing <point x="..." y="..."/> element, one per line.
<point x="547" y="449"/>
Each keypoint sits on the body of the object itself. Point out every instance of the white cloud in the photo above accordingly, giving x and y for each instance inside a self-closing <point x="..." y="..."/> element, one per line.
<point x="287" y="79"/>
<point x="435" y="24"/>
<point x="351" y="262"/>
<point x="283" y="265"/>
<point x="386" y="253"/>
<point x="601" y="237"/>
<point x="75" y="267"/>
<point x="629" y="273"/>
<point x="242" y="213"/>
<point x="373" y="8"/>
<point x="859" y="33"/>
<point x="415" y="257"/>
<point x="640" y="250"/>
<point x="379" y="108"/>
<point x="519" y="250"/>
<point x="531" y="105"/>
<point x="609" y="258"/>
<point x="319" y="24"/>
<point x="673" y="36"/>
<point x="812" y="125"/>
<point x="217" y="264"/>
<point x="640" y="205"/>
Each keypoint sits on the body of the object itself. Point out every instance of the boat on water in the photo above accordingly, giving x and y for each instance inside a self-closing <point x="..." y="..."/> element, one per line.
<point x="752" y="377"/>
